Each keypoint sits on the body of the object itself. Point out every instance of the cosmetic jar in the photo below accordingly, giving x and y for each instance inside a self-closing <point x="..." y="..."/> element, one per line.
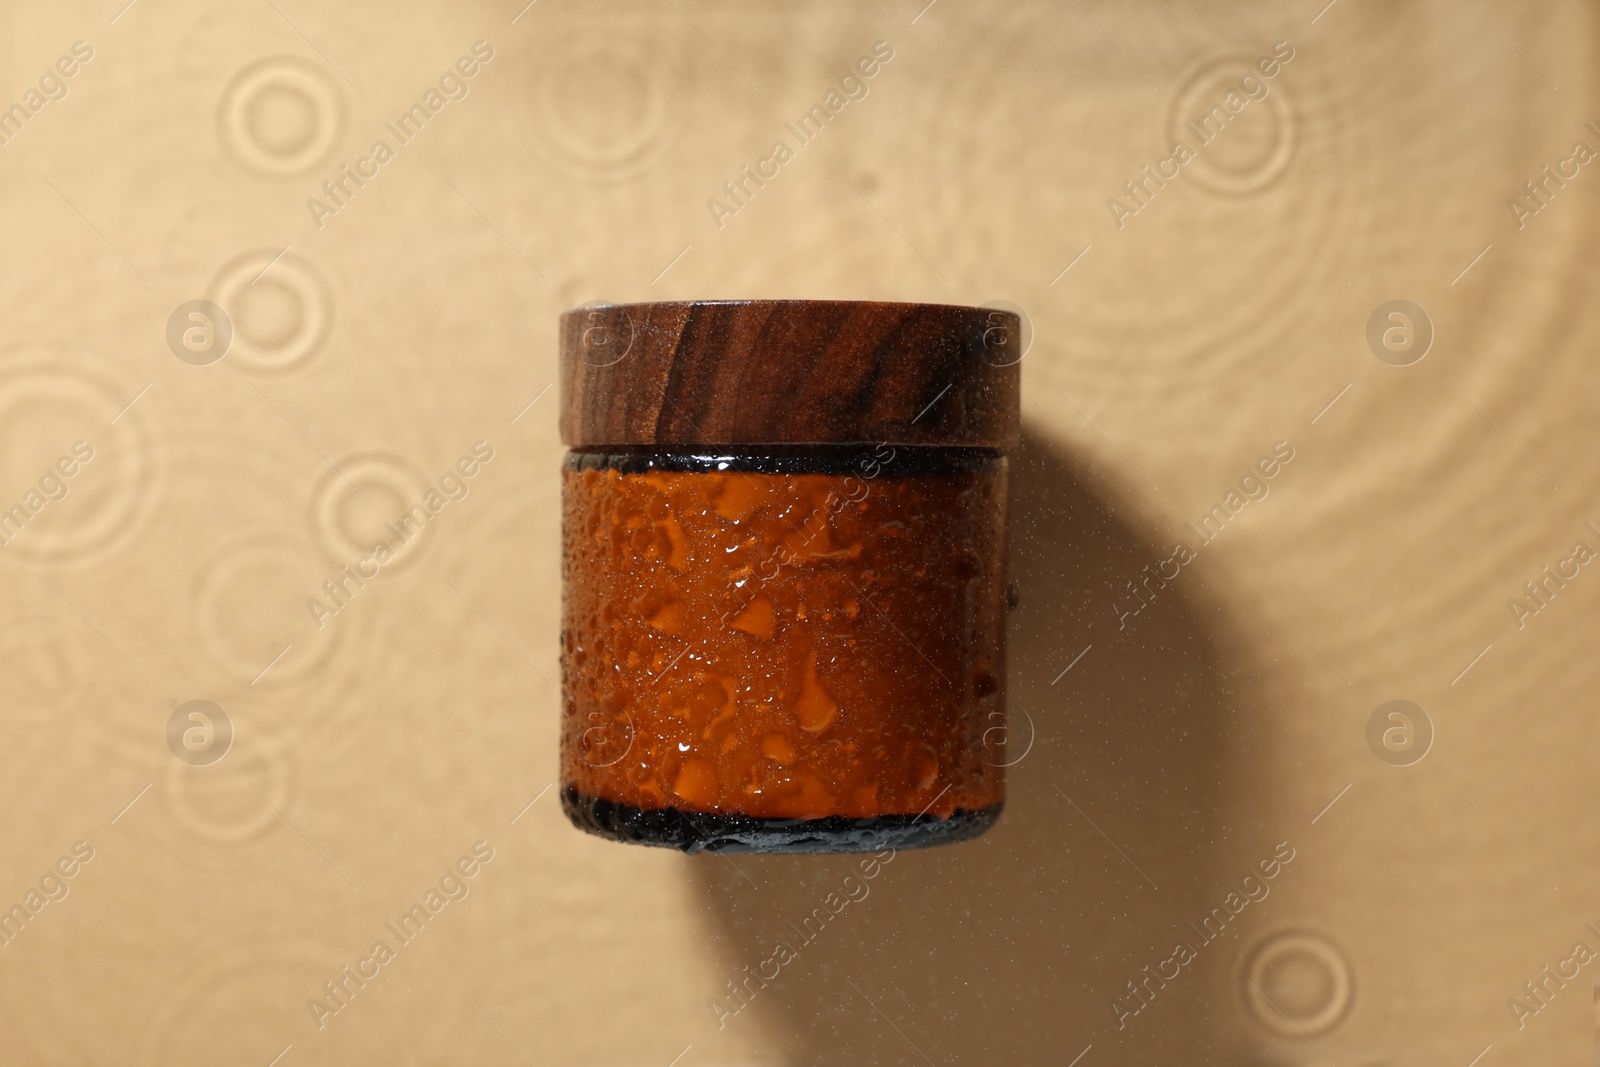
<point x="784" y="592"/>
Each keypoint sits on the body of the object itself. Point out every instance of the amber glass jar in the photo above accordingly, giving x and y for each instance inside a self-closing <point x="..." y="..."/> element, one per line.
<point x="784" y="575"/>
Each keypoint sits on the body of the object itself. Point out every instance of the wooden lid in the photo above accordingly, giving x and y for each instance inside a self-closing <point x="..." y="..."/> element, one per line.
<point x="775" y="372"/>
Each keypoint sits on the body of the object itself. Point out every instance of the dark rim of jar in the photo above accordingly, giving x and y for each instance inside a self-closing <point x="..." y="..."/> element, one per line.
<point x="688" y="376"/>
<point x="865" y="461"/>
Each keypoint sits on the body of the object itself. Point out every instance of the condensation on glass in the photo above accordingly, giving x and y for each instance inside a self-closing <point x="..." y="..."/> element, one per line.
<point x="784" y="574"/>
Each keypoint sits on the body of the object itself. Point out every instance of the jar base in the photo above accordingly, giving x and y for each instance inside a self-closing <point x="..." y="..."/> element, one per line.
<point x="700" y="831"/>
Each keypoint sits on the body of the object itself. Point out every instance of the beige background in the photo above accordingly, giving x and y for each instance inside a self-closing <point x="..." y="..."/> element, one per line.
<point x="1226" y="316"/>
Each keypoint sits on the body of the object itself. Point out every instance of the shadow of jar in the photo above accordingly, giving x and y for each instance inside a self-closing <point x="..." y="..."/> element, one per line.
<point x="1018" y="947"/>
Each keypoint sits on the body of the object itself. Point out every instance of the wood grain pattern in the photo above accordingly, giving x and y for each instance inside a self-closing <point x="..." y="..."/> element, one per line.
<point x="694" y="373"/>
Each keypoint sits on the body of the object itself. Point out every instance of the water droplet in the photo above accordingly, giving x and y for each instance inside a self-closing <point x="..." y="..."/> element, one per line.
<point x="815" y="709"/>
<point x="670" y="617"/>
<point x="757" y="619"/>
<point x="777" y="748"/>
<point x="696" y="783"/>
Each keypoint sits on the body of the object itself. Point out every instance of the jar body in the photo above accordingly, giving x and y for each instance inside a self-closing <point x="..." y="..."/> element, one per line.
<point x="784" y="649"/>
